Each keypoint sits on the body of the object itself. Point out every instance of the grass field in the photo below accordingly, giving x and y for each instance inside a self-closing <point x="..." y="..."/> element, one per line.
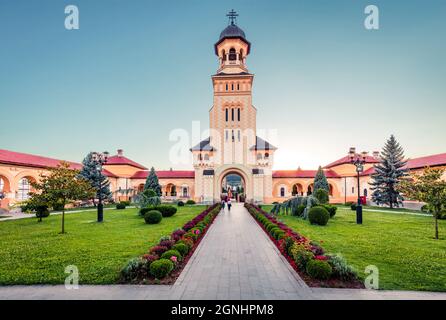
<point x="400" y="245"/>
<point x="33" y="252"/>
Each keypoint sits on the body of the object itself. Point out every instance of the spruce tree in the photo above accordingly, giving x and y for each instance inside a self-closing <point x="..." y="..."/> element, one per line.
<point x="388" y="174"/>
<point x="92" y="172"/>
<point x="320" y="181"/>
<point x="153" y="183"/>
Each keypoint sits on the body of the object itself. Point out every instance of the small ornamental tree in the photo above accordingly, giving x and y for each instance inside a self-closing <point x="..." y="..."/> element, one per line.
<point x="61" y="186"/>
<point x="38" y="203"/>
<point x="320" y="181"/>
<point x="153" y="183"/>
<point x="428" y="187"/>
<point x="92" y="172"/>
<point x="388" y="173"/>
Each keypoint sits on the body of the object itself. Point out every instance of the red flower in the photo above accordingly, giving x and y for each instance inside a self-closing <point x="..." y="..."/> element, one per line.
<point x="322" y="258"/>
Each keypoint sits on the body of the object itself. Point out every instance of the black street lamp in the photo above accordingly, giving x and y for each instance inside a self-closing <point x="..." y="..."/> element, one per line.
<point x="358" y="161"/>
<point x="101" y="159"/>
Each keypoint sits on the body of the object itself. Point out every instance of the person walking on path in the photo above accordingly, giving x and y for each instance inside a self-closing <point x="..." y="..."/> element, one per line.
<point x="229" y="204"/>
<point x="223" y="203"/>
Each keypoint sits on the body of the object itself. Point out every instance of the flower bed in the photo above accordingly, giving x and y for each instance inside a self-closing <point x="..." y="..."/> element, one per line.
<point x="308" y="258"/>
<point x="163" y="263"/>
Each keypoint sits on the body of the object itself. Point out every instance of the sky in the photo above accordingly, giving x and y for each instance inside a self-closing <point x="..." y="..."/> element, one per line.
<point x="136" y="70"/>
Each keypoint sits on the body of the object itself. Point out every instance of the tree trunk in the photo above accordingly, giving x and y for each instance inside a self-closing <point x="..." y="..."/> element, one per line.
<point x="63" y="218"/>
<point x="436" y="226"/>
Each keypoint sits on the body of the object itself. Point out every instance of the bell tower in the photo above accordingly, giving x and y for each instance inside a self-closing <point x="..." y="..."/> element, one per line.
<point x="232" y="117"/>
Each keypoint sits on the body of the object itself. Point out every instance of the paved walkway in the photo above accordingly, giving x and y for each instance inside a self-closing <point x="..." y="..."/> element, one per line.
<point x="235" y="260"/>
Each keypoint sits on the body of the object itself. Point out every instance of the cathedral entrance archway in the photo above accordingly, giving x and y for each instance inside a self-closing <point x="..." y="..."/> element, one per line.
<point x="233" y="182"/>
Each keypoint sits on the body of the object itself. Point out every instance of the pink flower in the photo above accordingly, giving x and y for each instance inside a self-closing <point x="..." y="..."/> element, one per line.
<point x="323" y="258"/>
<point x="197" y="232"/>
<point x="174" y="259"/>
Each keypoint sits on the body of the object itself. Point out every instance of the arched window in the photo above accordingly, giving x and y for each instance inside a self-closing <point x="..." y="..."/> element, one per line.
<point x="24" y="189"/>
<point x="282" y="192"/>
<point x="232" y="55"/>
<point x="232" y="114"/>
<point x="200" y="157"/>
<point x="238" y="86"/>
<point x="184" y="192"/>
<point x="259" y="156"/>
<point x="2" y="184"/>
<point x="227" y="87"/>
<point x="238" y="114"/>
<point x="227" y="115"/>
<point x="206" y="157"/>
<point x="232" y="87"/>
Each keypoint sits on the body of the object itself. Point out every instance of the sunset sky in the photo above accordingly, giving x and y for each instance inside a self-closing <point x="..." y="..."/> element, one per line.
<point x="136" y="70"/>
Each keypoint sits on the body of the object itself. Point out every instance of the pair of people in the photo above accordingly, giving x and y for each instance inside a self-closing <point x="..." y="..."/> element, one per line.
<point x="224" y="202"/>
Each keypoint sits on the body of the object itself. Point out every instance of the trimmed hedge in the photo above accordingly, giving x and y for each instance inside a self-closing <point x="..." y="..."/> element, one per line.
<point x="161" y="268"/>
<point x="120" y="206"/>
<point x="319" y="269"/>
<point x="182" y="248"/>
<point x="318" y="215"/>
<point x="171" y="253"/>
<point x="153" y="217"/>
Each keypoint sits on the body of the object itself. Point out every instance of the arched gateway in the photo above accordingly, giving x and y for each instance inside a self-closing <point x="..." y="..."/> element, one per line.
<point x="233" y="146"/>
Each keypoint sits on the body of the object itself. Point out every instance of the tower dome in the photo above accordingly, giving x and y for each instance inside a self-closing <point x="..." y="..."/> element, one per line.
<point x="232" y="31"/>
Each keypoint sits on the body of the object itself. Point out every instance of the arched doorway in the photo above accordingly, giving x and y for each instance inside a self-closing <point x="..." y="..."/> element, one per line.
<point x="310" y="189"/>
<point x="297" y="190"/>
<point x="233" y="186"/>
<point x="171" y="190"/>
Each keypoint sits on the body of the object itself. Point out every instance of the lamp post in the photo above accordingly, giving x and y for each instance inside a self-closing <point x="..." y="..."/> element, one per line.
<point x="101" y="159"/>
<point x="358" y="161"/>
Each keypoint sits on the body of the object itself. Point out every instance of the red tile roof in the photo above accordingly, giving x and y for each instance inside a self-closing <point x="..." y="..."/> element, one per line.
<point x="165" y="174"/>
<point x="302" y="174"/>
<point x="121" y="160"/>
<point x="428" y="161"/>
<point x="30" y="160"/>
<point x="417" y="163"/>
<point x="346" y="159"/>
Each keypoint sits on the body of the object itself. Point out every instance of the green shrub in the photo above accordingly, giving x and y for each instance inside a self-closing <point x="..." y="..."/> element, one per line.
<point x="125" y="202"/>
<point x="190" y="201"/>
<point x="182" y="248"/>
<point x="321" y="195"/>
<point x="319" y="269"/>
<point x="341" y="269"/>
<point x="318" y="215"/>
<point x="300" y="255"/>
<point x="278" y="234"/>
<point x="143" y="211"/>
<point x="353" y="206"/>
<point x="331" y="209"/>
<point x="58" y="206"/>
<point x="274" y="229"/>
<point x="166" y="211"/>
<point x="188" y="242"/>
<point x="135" y="268"/>
<point x="180" y="203"/>
<point x="299" y="210"/>
<point x="120" y="206"/>
<point x="441" y="215"/>
<point x="42" y="212"/>
<point x="171" y="253"/>
<point x="270" y="226"/>
<point x="161" y="268"/>
<point x="153" y="217"/>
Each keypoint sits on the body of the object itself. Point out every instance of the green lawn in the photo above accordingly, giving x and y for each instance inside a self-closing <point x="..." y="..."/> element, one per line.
<point x="32" y="252"/>
<point x="400" y="245"/>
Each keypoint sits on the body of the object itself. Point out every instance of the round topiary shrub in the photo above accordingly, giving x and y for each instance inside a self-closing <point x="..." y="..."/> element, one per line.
<point x="166" y="211"/>
<point x="190" y="201"/>
<point x="171" y="253"/>
<point x="161" y="268"/>
<point x="120" y="206"/>
<point x="319" y="269"/>
<point x="318" y="215"/>
<point x="42" y="212"/>
<point x="180" y="203"/>
<point x="182" y="248"/>
<point x="153" y="217"/>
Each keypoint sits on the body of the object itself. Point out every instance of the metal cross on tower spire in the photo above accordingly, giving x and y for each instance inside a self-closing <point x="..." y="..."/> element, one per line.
<point x="232" y="17"/>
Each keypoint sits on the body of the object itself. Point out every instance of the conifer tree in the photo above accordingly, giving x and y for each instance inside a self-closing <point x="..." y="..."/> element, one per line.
<point x="92" y="172"/>
<point x="320" y="180"/>
<point x="388" y="174"/>
<point x="153" y="183"/>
